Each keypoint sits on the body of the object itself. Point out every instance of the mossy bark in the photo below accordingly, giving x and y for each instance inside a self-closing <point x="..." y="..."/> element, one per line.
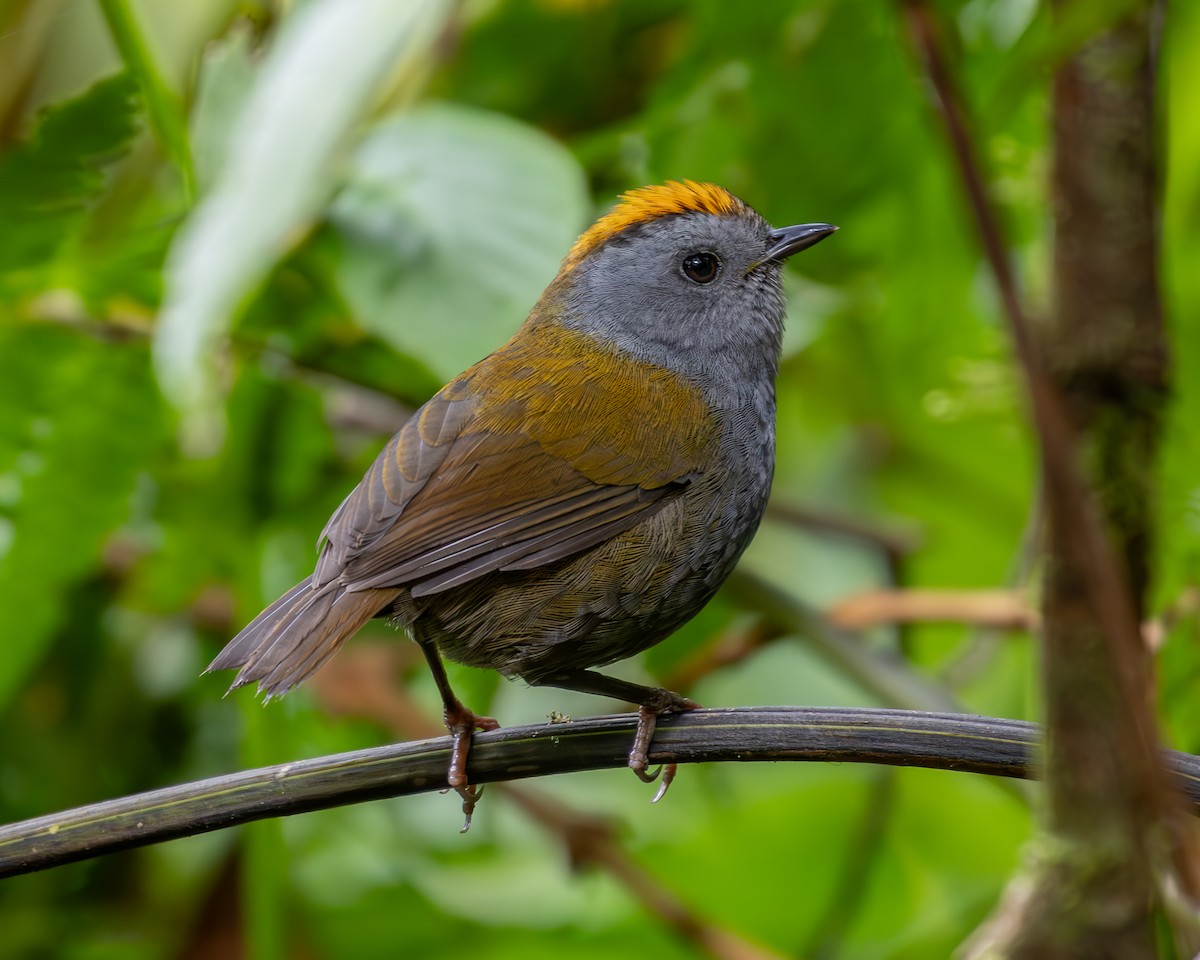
<point x="1093" y="886"/>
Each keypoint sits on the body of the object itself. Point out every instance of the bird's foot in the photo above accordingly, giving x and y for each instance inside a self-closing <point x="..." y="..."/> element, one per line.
<point x="462" y="723"/>
<point x="648" y="715"/>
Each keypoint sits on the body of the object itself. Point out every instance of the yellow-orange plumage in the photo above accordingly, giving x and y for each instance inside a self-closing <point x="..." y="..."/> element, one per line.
<point x="649" y="203"/>
<point x="620" y="421"/>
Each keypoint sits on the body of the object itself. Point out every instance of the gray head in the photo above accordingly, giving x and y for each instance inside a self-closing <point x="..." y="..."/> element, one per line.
<point x="684" y="275"/>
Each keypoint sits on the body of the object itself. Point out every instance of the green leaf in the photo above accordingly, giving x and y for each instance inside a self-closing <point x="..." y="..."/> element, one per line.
<point x="321" y="75"/>
<point x="453" y="221"/>
<point x="227" y="75"/>
<point x="47" y="182"/>
<point x="67" y="471"/>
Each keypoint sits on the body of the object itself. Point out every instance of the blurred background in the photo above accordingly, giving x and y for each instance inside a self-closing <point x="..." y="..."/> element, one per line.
<point x="240" y="242"/>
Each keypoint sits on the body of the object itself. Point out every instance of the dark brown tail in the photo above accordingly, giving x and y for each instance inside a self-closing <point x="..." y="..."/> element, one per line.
<point x="295" y="635"/>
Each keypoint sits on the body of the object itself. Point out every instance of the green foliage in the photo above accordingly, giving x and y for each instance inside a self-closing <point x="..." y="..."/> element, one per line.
<point x="281" y="154"/>
<point x="382" y="191"/>
<point x="418" y="205"/>
<point x="47" y="183"/>
<point x="80" y="419"/>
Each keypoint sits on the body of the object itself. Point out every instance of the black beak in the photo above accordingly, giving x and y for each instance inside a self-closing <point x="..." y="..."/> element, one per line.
<point x="788" y="240"/>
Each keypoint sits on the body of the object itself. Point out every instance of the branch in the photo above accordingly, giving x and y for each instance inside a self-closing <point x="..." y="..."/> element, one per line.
<point x="939" y="741"/>
<point x="361" y="683"/>
<point x="1096" y="400"/>
<point x="1065" y="488"/>
<point x="894" y="545"/>
<point x="1005" y="609"/>
<point x="883" y="673"/>
<point x="724" y="650"/>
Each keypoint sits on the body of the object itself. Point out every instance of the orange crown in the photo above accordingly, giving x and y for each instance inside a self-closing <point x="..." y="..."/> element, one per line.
<point x="648" y="203"/>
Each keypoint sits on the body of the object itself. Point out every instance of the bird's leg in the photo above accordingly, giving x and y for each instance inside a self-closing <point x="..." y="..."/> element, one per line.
<point x="654" y="702"/>
<point x="461" y="723"/>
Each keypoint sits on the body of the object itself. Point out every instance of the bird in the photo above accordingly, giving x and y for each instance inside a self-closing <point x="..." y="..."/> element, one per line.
<point x="576" y="496"/>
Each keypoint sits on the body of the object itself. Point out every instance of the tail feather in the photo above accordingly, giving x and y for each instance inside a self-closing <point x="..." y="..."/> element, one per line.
<point x="241" y="648"/>
<point x="295" y="635"/>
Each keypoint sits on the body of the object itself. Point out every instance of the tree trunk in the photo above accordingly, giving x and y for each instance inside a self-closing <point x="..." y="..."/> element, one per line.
<point x="1093" y="887"/>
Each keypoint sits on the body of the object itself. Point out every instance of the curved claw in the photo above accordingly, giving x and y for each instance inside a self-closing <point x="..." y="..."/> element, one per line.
<point x="470" y="797"/>
<point x="462" y="723"/>
<point x="668" y="775"/>
<point x="647" y="721"/>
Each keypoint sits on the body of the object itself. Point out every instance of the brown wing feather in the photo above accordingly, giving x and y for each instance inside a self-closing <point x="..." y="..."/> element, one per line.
<point x="398" y="474"/>
<point x="550" y="446"/>
<point x="504" y="471"/>
<point x="481" y="513"/>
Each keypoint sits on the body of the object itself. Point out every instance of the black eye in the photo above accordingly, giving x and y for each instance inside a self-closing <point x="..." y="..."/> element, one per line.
<point x="701" y="267"/>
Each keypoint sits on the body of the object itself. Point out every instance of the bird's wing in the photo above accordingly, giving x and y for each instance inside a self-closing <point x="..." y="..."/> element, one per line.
<point x="550" y="446"/>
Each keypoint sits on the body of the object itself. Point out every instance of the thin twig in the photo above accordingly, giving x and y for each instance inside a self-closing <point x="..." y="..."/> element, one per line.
<point x="732" y="646"/>
<point x="894" y="545"/>
<point x="1006" y="609"/>
<point x="883" y="673"/>
<point x="907" y="738"/>
<point x="1065" y="489"/>
<point x="1109" y="800"/>
<point x="163" y="106"/>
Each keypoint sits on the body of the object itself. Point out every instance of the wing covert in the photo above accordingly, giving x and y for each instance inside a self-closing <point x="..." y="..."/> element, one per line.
<point x="549" y="446"/>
